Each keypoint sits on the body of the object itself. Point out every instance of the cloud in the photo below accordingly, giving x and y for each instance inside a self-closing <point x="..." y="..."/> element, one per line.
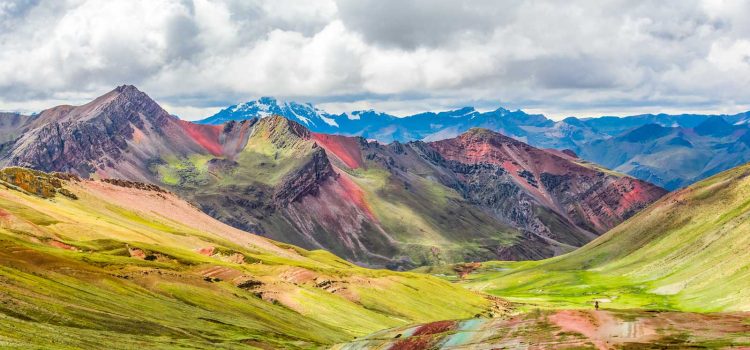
<point x="586" y="57"/>
<point x="423" y="23"/>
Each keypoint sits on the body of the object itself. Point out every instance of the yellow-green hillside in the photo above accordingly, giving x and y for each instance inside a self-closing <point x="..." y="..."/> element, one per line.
<point x="125" y="265"/>
<point x="688" y="251"/>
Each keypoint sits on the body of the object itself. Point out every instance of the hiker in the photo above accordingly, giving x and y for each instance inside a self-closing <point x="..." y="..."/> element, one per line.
<point x="596" y="305"/>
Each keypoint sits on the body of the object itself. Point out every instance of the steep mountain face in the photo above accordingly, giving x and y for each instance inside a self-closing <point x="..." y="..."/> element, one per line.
<point x="341" y="194"/>
<point x="476" y="197"/>
<point x="550" y="194"/>
<point x="592" y="138"/>
<point x="87" y="262"/>
<point x="124" y="128"/>
<point x="685" y="252"/>
<point x="673" y="157"/>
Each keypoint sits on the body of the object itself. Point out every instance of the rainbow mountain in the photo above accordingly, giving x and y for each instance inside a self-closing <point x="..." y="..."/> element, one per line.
<point x="478" y="196"/>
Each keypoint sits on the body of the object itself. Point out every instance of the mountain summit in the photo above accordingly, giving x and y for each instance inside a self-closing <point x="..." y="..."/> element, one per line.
<point x="579" y="198"/>
<point x="92" y="136"/>
<point x="714" y="126"/>
<point x="119" y="134"/>
<point x="303" y="113"/>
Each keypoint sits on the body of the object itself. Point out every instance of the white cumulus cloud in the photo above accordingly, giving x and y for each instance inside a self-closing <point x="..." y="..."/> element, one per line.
<point x="559" y="58"/>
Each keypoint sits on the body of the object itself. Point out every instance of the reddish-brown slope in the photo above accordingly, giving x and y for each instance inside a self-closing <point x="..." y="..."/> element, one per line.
<point x="219" y="140"/>
<point x="340" y="210"/>
<point x="345" y="148"/>
<point x="205" y="135"/>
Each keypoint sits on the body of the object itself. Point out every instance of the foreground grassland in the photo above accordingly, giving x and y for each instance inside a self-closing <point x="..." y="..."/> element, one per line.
<point x="125" y="268"/>
<point x="570" y="329"/>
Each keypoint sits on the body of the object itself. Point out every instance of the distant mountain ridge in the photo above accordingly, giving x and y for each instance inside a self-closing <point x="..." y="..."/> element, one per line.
<point x="674" y="157"/>
<point x="585" y="136"/>
<point x="479" y="196"/>
<point x="370" y="123"/>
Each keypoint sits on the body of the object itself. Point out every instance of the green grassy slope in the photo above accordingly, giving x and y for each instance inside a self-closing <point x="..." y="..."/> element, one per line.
<point x="688" y="251"/>
<point x="272" y="152"/>
<point x="414" y="219"/>
<point x="128" y="268"/>
<point x="240" y="190"/>
<point x="431" y="222"/>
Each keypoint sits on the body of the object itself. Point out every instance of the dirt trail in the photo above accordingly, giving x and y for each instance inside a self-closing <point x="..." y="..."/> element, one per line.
<point x="602" y="328"/>
<point x="566" y="329"/>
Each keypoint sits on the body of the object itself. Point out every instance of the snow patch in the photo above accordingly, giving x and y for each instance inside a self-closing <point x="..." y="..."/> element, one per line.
<point x="329" y="121"/>
<point x="300" y="117"/>
<point x="352" y="116"/>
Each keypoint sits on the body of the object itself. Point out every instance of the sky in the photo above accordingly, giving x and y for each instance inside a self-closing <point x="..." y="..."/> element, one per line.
<point x="559" y="58"/>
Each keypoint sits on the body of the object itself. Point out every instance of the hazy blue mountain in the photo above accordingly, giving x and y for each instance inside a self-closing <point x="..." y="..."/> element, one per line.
<point x="384" y="127"/>
<point x="430" y="126"/>
<point x="673" y="157"/>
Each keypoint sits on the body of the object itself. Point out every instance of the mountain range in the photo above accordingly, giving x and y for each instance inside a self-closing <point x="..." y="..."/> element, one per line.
<point x="478" y="196"/>
<point x="135" y="228"/>
<point x="674" y="156"/>
<point x="594" y="139"/>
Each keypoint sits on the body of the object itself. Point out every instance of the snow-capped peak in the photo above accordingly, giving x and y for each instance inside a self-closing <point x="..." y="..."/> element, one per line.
<point x="303" y="113"/>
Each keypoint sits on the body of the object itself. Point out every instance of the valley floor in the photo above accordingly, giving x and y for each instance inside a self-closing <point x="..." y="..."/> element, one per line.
<point x="551" y="309"/>
<point x="571" y="329"/>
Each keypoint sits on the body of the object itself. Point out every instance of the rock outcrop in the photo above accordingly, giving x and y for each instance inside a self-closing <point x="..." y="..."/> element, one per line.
<point x="36" y="182"/>
<point x="304" y="181"/>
